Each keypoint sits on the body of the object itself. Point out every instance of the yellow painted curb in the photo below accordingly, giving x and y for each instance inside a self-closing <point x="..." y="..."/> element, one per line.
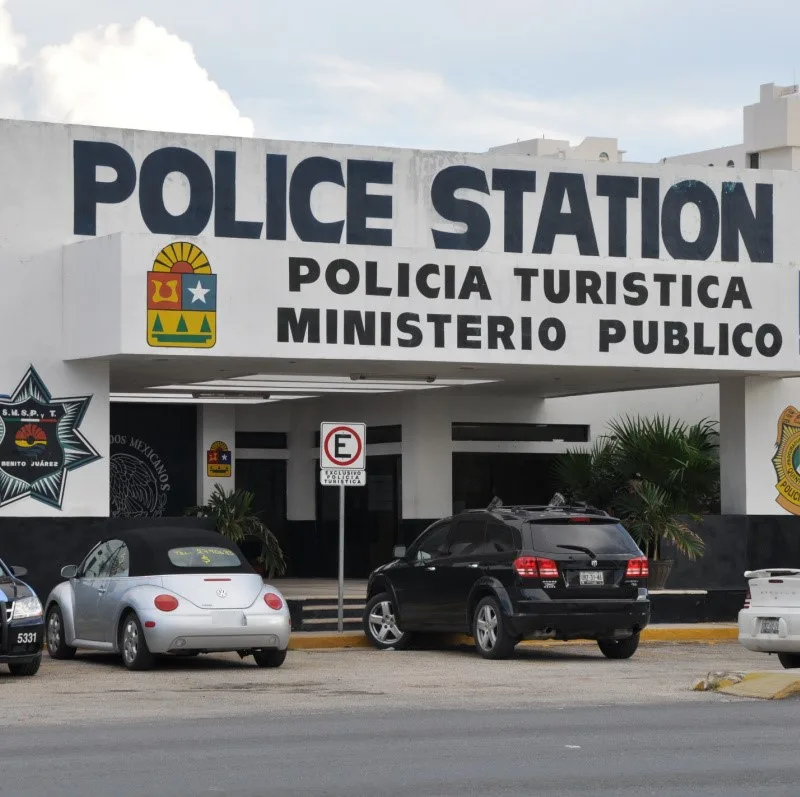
<point x="356" y="639"/>
<point x="765" y="685"/>
<point x="721" y="633"/>
<point x="301" y="641"/>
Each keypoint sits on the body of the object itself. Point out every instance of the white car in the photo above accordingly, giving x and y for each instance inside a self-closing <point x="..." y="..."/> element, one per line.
<point x="770" y="619"/>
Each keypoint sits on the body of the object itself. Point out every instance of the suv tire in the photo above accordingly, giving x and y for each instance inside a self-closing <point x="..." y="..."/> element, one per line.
<point x="380" y="624"/>
<point x="492" y="639"/>
<point x="619" y="648"/>
<point x="789" y="661"/>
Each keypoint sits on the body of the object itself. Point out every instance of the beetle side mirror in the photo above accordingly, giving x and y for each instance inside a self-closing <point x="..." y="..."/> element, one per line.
<point x="19" y="571"/>
<point x="399" y="552"/>
<point x="70" y="571"/>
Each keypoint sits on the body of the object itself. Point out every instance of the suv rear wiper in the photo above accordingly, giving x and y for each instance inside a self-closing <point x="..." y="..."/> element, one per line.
<point x="579" y="548"/>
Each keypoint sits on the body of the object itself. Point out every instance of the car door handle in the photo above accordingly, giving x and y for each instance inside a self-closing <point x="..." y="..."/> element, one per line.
<point x="430" y="568"/>
<point x="474" y="564"/>
<point x="101" y="590"/>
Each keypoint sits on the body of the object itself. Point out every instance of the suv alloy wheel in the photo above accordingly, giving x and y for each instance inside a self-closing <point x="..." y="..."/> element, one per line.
<point x="488" y="627"/>
<point x="380" y="623"/>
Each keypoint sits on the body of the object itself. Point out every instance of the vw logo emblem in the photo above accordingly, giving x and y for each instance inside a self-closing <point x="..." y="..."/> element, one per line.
<point x="594" y="562"/>
<point x="222" y="592"/>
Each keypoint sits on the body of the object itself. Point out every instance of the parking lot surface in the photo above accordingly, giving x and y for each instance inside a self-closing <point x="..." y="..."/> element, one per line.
<point x="96" y="688"/>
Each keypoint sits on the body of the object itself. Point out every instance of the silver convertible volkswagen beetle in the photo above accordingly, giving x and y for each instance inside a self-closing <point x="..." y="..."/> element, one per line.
<point x="173" y="591"/>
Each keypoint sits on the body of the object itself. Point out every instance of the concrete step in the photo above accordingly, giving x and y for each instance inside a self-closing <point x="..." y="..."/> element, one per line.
<point x="321" y="614"/>
<point x="331" y="614"/>
<point x="319" y="603"/>
<point x="328" y="624"/>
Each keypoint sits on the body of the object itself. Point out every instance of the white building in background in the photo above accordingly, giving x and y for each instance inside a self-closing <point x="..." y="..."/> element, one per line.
<point x="770" y="135"/>
<point x="604" y="150"/>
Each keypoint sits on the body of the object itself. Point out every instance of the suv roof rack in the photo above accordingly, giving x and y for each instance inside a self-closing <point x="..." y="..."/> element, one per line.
<point x="497" y="506"/>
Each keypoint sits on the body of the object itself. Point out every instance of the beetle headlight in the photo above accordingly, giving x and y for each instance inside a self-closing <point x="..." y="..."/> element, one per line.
<point x="27" y="608"/>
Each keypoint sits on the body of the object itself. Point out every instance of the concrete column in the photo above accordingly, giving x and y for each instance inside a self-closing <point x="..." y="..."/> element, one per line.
<point x="300" y="468"/>
<point x="427" y="465"/>
<point x="216" y="423"/>
<point x="758" y="423"/>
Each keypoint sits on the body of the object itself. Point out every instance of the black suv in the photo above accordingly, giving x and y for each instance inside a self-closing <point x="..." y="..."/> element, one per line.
<point x="510" y="573"/>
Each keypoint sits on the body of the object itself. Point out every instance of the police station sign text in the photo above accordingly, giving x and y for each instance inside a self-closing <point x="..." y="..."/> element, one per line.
<point x="482" y="205"/>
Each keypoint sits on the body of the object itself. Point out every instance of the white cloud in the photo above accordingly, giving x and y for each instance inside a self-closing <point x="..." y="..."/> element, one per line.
<point x="144" y="77"/>
<point x="11" y="43"/>
<point x="141" y="77"/>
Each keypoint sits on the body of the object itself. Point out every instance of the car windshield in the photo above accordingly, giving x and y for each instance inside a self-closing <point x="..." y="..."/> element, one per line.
<point x="600" y="538"/>
<point x="203" y="556"/>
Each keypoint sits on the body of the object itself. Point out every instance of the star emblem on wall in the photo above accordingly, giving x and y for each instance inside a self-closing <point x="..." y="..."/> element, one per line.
<point x="40" y="442"/>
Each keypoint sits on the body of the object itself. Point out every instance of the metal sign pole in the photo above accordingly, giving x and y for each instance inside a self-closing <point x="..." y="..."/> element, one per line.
<point x="341" y="558"/>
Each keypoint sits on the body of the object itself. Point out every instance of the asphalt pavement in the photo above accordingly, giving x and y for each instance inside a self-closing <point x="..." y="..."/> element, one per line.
<point x="555" y="721"/>
<point x="712" y="750"/>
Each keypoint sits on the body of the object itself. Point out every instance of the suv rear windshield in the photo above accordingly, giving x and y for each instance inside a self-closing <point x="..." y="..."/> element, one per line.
<point x="600" y="538"/>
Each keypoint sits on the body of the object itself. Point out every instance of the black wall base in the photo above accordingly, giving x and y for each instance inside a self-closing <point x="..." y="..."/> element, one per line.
<point x="716" y="606"/>
<point x="45" y="545"/>
<point x="735" y="543"/>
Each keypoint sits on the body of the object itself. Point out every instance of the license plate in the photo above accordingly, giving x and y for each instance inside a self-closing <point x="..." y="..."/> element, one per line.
<point x="26" y="637"/>
<point x="591" y="577"/>
<point x="228" y="619"/>
<point x="769" y="625"/>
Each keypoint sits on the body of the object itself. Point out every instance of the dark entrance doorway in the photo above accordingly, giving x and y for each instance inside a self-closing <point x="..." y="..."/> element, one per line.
<point x="372" y="520"/>
<point x="266" y="479"/>
<point x="514" y="478"/>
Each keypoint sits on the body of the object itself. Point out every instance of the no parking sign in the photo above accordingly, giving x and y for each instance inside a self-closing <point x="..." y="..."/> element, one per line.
<point x="342" y="454"/>
<point x="342" y="461"/>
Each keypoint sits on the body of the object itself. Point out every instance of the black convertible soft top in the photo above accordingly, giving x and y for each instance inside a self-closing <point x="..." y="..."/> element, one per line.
<point x="149" y="546"/>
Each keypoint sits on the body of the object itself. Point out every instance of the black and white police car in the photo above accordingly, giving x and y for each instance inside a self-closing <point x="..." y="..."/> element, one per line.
<point x="21" y="623"/>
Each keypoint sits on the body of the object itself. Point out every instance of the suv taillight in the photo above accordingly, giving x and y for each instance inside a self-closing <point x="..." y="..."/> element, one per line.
<point x="535" y="567"/>
<point x="747" y="599"/>
<point x="638" y="568"/>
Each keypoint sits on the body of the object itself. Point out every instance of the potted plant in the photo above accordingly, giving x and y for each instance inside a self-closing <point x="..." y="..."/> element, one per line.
<point x="649" y="515"/>
<point x="235" y="519"/>
<point x="652" y="473"/>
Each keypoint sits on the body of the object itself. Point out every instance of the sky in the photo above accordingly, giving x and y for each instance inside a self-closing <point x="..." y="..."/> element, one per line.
<point x="665" y="77"/>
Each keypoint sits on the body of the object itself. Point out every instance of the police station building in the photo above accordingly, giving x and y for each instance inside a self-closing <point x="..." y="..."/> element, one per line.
<point x="183" y="311"/>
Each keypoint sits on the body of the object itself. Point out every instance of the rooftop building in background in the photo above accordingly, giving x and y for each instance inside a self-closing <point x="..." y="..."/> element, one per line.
<point x="770" y="139"/>
<point x="770" y="135"/>
<point x="591" y="148"/>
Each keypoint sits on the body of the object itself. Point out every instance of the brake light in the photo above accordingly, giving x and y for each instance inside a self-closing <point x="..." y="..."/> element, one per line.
<point x="638" y="568"/>
<point x="579" y="519"/>
<point x="536" y="567"/>
<point x="166" y="603"/>
<point x="747" y="600"/>
<point x="273" y="601"/>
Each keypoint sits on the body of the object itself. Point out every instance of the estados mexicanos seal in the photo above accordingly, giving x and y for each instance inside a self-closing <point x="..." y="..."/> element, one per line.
<point x="787" y="460"/>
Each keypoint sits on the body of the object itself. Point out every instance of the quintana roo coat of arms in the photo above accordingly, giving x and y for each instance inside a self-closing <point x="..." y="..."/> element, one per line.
<point x="181" y="298"/>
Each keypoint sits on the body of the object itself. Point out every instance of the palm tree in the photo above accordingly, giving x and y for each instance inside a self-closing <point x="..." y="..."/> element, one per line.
<point x="649" y="472"/>
<point x="235" y="519"/>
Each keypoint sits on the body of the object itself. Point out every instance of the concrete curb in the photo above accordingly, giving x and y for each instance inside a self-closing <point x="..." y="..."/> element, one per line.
<point x="766" y="685"/>
<point x="699" y="633"/>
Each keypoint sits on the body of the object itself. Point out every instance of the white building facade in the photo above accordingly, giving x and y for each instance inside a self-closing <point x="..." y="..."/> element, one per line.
<point x="181" y="311"/>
